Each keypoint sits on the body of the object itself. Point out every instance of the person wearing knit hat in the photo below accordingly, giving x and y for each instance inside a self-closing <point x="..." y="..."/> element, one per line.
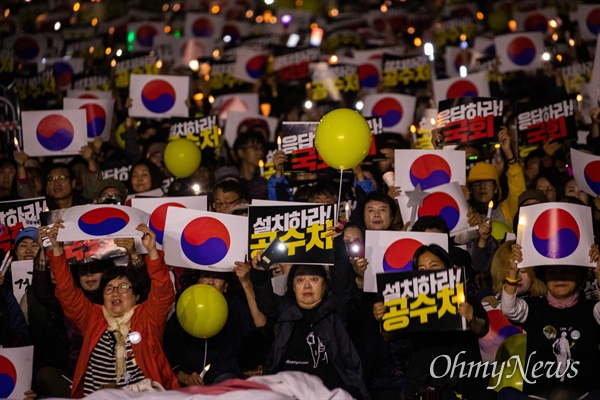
<point x="110" y="191"/>
<point x="483" y="183"/>
<point x="532" y="196"/>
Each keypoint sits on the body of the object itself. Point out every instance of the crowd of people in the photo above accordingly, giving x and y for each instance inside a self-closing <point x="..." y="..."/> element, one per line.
<point x="110" y="323"/>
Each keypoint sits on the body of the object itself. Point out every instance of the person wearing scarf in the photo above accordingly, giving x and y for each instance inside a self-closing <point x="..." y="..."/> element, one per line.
<point x="122" y="337"/>
<point x="563" y="330"/>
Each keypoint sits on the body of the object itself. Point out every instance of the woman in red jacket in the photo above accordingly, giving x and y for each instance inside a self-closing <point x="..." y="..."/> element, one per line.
<point x="121" y="338"/>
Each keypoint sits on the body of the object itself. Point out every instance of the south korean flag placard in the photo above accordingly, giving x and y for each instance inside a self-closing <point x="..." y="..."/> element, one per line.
<point x="54" y="132"/>
<point x="393" y="252"/>
<point x="555" y="234"/>
<point x="158" y="96"/>
<point x="428" y="168"/>
<point x="204" y="240"/>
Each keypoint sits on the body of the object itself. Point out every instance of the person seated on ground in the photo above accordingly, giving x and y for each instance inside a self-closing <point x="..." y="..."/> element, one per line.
<point x="186" y="353"/>
<point x="122" y="339"/>
<point x="562" y="329"/>
<point x="423" y="373"/>
<point x="309" y="327"/>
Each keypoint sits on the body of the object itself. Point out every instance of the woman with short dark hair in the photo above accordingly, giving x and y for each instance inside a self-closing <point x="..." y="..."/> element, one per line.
<point x="121" y="338"/>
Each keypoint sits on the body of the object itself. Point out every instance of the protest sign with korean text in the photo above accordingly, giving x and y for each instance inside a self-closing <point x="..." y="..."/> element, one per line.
<point x="292" y="64"/>
<point x="157" y="208"/>
<point x="470" y="120"/>
<point x="202" y="131"/>
<point x="389" y="251"/>
<point x="22" y="273"/>
<point x="101" y="221"/>
<point x="222" y="80"/>
<point x="576" y="75"/>
<point x="91" y="81"/>
<point x="204" y="240"/>
<point x="301" y="228"/>
<point x="555" y="234"/>
<point x="125" y="67"/>
<point x="16" y="215"/>
<point x="16" y="368"/>
<point x="39" y="87"/>
<point x="333" y="82"/>
<point x="428" y="168"/>
<point x="423" y="301"/>
<point x="53" y="133"/>
<point x="158" y="96"/>
<point x="586" y="171"/>
<point x="556" y="121"/>
<point x="400" y="72"/>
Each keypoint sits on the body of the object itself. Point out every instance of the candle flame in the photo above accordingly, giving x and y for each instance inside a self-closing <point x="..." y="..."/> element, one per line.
<point x="347" y="206"/>
<point x="207" y="367"/>
<point x="579" y="97"/>
<point x="413" y="128"/>
<point x="491" y="204"/>
<point x="16" y="141"/>
<point x="461" y="297"/>
<point x="261" y="164"/>
<point x="278" y="140"/>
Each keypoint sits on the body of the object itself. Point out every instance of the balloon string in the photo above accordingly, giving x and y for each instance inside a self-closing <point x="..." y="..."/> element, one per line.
<point x="205" y="351"/>
<point x="337" y="214"/>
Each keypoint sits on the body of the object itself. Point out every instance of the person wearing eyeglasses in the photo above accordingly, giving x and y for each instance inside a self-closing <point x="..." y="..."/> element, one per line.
<point x="60" y="188"/>
<point x="229" y="194"/>
<point x="122" y="337"/>
<point x="110" y="191"/>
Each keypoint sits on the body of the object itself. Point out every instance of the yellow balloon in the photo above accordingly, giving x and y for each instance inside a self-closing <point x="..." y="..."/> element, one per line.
<point x="499" y="230"/>
<point x="515" y="345"/>
<point x="182" y="157"/>
<point x="343" y="138"/>
<point x="202" y="311"/>
<point x="118" y="135"/>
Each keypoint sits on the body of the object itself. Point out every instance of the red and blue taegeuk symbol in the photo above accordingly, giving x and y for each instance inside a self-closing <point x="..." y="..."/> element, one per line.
<point x="158" y="96"/>
<point x="536" y="23"/>
<point x="26" y="48"/>
<point x="256" y="66"/>
<point x="500" y="329"/>
<point x="555" y="233"/>
<point x="55" y="132"/>
<point x="368" y="76"/>
<point x="95" y="117"/>
<point x="8" y="377"/>
<point x="441" y="204"/>
<point x="389" y="109"/>
<point x="398" y="256"/>
<point x="103" y="221"/>
<point x="430" y="170"/>
<point x="521" y="51"/>
<point x="591" y="172"/>
<point x="205" y="241"/>
<point x="593" y="21"/>
<point x="203" y="27"/>
<point x="158" y="219"/>
<point x="462" y="88"/>
<point x="145" y="35"/>
<point x="63" y="73"/>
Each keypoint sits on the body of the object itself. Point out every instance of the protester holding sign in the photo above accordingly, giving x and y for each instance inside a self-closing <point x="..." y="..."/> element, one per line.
<point x="425" y="375"/>
<point x="562" y="329"/>
<point x="122" y="332"/>
<point x="310" y="334"/>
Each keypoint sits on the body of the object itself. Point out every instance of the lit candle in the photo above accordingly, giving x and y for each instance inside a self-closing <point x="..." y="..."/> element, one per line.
<point x="278" y="142"/>
<point x="489" y="213"/>
<point x="579" y="102"/>
<point x="520" y="229"/>
<point x="16" y="141"/>
<point x="347" y="210"/>
<point x="204" y="371"/>
<point x="413" y="132"/>
<point x="261" y="167"/>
